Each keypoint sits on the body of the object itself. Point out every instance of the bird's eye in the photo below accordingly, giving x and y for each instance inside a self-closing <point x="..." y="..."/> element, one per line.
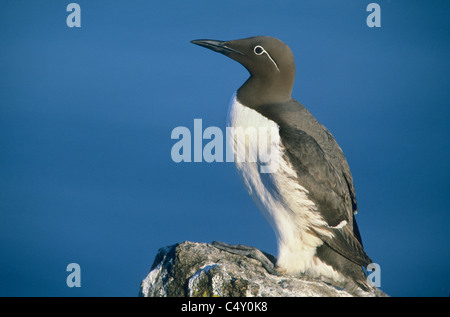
<point x="258" y="50"/>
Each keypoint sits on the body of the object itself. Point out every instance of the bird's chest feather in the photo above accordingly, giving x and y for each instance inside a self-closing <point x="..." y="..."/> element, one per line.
<point x="256" y="144"/>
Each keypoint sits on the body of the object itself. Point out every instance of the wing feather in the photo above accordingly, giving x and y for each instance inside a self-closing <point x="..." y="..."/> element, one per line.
<point x="328" y="189"/>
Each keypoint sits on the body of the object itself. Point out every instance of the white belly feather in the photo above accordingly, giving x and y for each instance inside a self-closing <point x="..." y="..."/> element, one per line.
<point x="280" y="198"/>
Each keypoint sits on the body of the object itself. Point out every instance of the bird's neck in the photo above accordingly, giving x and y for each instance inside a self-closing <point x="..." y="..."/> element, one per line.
<point x="256" y="92"/>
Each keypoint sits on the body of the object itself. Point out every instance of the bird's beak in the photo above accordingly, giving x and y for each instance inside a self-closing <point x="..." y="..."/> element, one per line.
<point x="217" y="46"/>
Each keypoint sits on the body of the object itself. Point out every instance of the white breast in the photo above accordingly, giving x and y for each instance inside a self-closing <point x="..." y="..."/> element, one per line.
<point x="278" y="195"/>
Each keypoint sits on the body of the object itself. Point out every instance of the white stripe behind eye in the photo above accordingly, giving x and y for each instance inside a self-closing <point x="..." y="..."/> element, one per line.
<point x="265" y="52"/>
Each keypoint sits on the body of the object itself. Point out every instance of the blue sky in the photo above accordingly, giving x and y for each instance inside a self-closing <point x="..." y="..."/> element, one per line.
<point x="86" y="116"/>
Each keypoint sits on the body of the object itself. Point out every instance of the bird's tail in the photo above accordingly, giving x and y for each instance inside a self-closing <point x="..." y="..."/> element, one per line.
<point x="355" y="277"/>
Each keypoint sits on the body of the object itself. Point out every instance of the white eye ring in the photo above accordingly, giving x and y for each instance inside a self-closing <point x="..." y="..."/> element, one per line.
<point x="260" y="48"/>
<point x="261" y="51"/>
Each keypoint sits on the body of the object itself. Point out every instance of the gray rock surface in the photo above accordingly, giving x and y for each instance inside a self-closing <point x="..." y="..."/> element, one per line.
<point x="199" y="269"/>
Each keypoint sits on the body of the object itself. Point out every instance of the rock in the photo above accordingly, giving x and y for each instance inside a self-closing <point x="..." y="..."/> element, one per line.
<point x="199" y="269"/>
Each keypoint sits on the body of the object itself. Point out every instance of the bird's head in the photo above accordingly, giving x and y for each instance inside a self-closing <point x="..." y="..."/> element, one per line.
<point x="269" y="61"/>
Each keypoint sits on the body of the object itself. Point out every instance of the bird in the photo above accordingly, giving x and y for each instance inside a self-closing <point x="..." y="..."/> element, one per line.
<point x="309" y="200"/>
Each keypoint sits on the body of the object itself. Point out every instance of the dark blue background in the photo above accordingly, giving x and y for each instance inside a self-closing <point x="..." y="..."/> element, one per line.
<point x="86" y="116"/>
